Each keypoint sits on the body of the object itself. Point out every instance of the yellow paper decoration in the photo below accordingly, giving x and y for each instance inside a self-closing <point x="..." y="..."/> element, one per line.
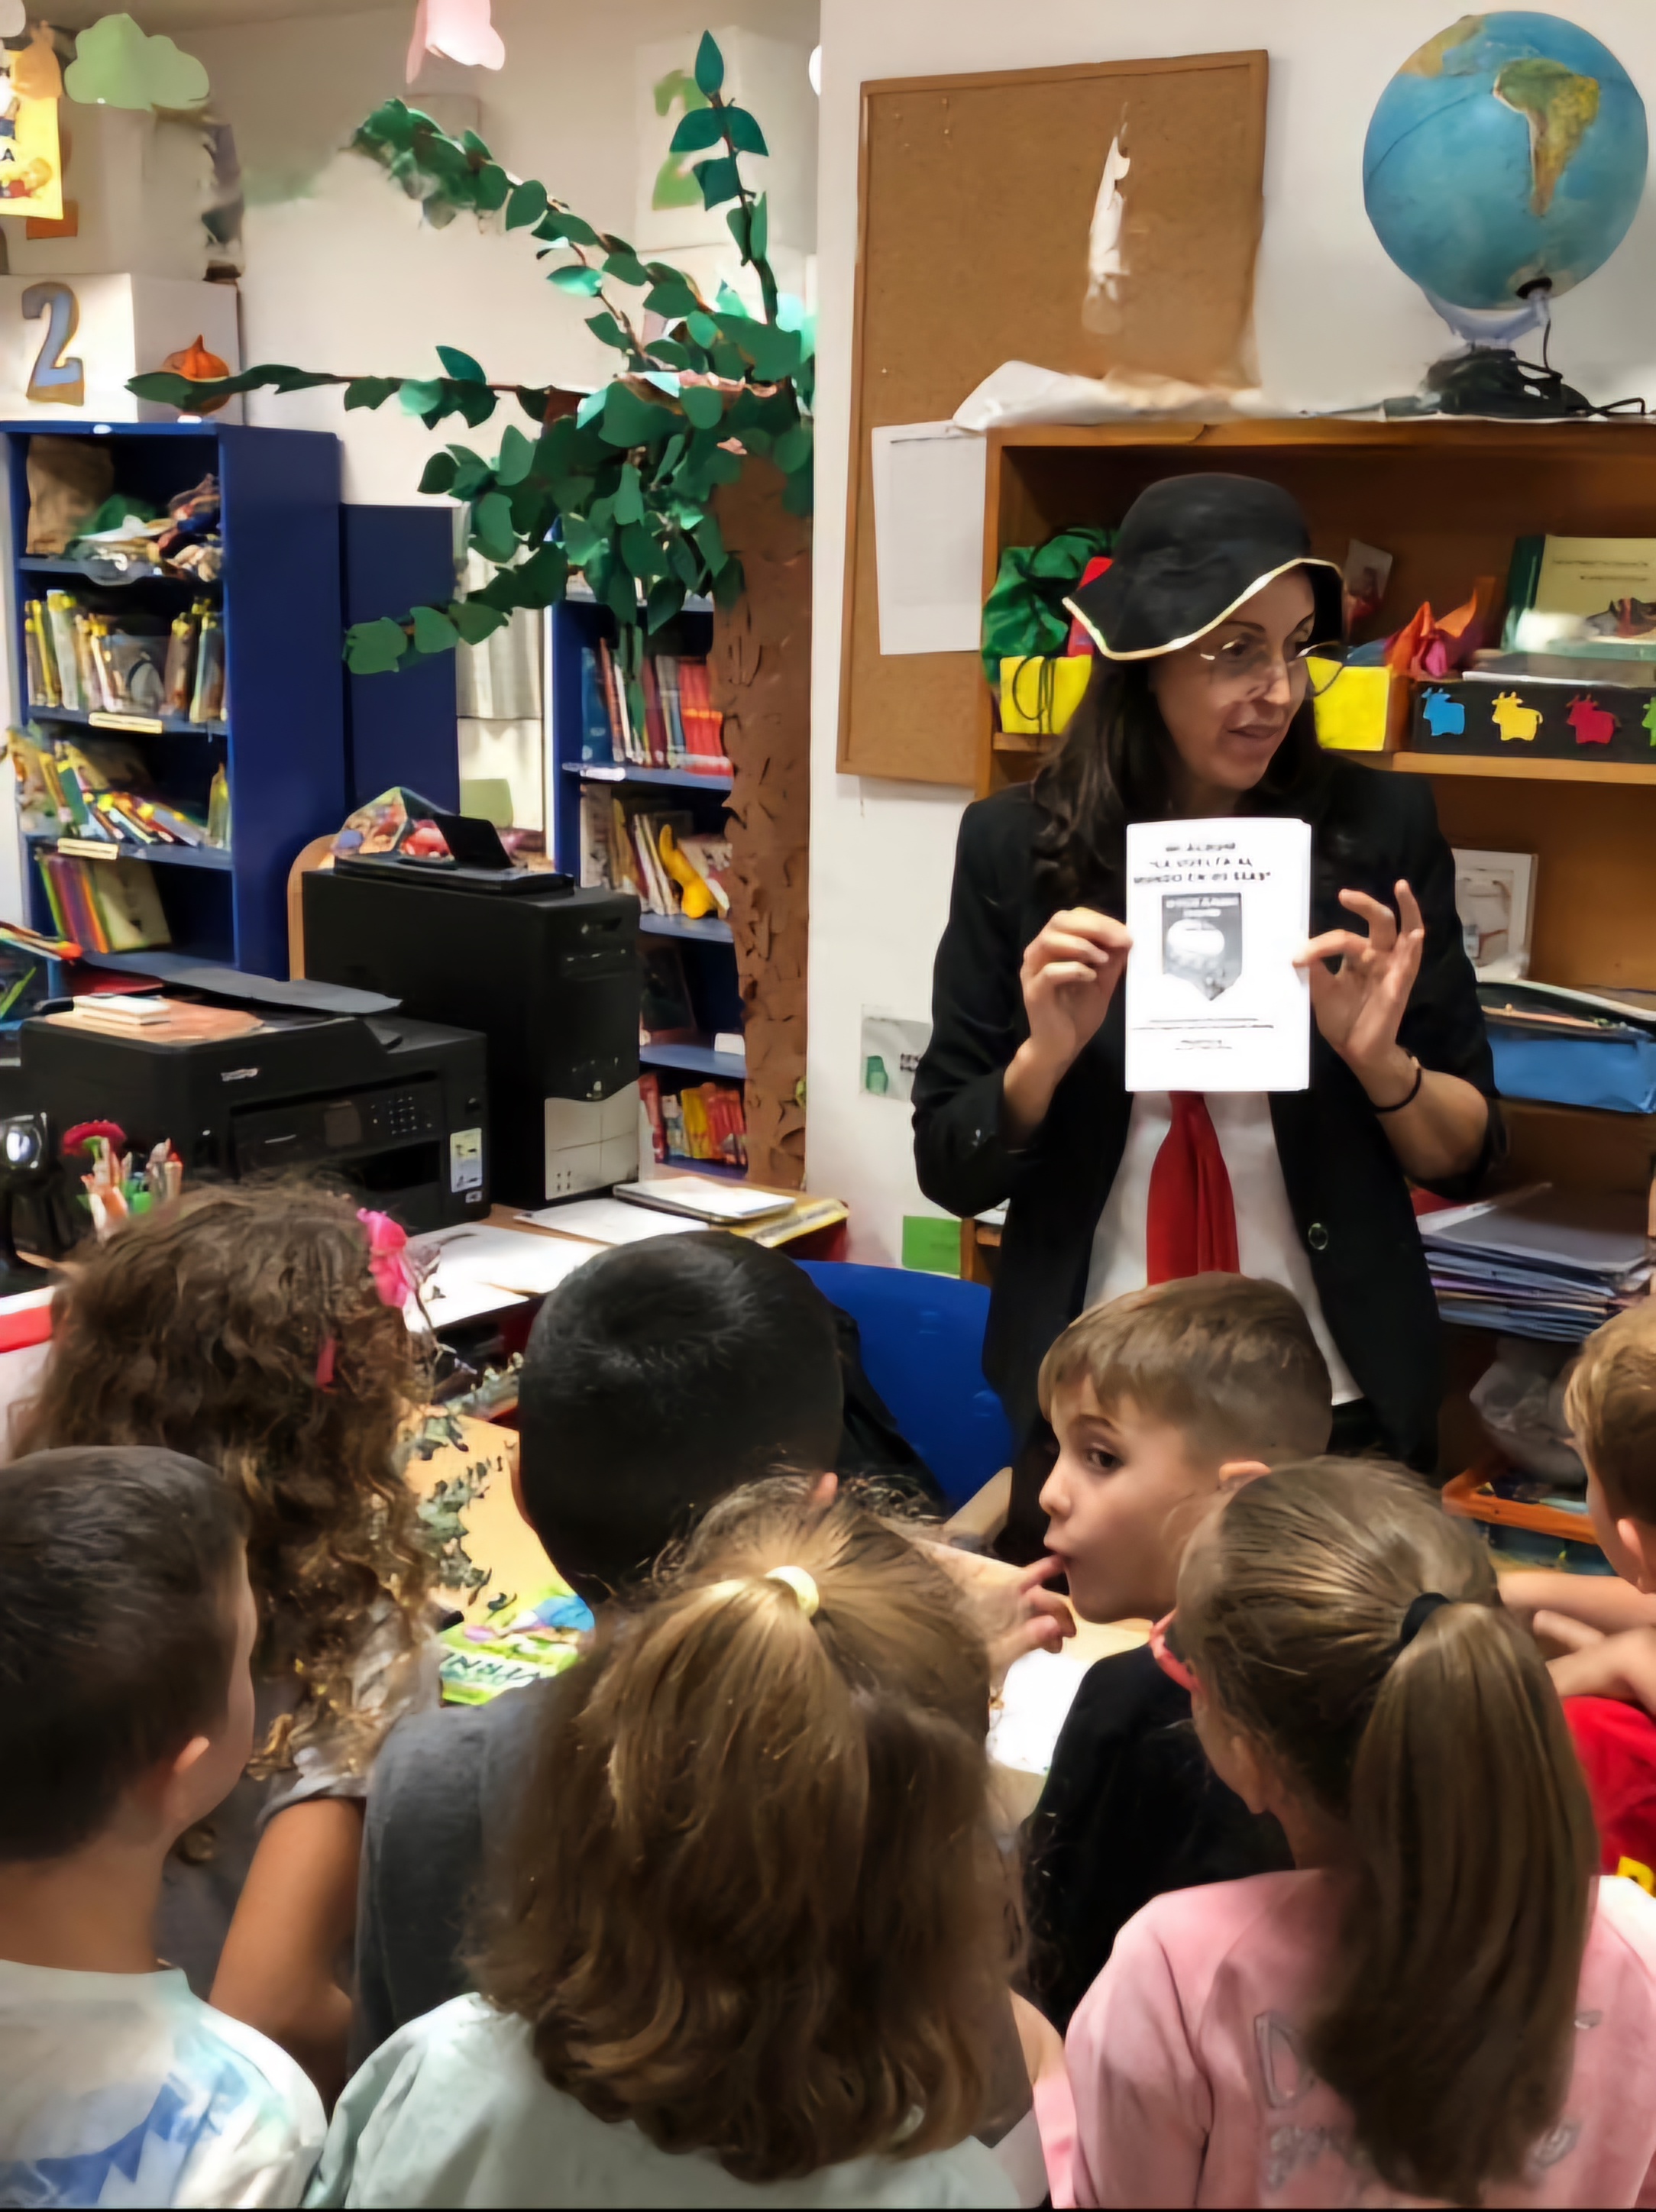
<point x="1351" y="714"/>
<point x="31" y="163"/>
<point x="1040" y="693"/>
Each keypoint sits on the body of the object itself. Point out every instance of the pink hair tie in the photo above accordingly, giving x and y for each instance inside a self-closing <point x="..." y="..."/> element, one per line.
<point x="326" y="1352"/>
<point x="388" y="1257"/>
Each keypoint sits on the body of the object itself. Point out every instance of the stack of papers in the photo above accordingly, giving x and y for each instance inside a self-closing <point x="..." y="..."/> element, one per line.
<point x="1543" y="1263"/>
<point x="482" y="1270"/>
<point x="721" y="1205"/>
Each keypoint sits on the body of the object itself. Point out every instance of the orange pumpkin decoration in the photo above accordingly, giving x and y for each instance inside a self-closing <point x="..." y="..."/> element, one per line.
<point x="196" y="362"/>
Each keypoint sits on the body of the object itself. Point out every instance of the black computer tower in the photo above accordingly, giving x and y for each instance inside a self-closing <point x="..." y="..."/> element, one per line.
<point x="553" y="983"/>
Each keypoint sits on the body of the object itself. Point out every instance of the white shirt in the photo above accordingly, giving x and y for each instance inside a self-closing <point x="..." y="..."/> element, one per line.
<point x="455" y="2110"/>
<point x="1267" y="1237"/>
<point x="125" y="2089"/>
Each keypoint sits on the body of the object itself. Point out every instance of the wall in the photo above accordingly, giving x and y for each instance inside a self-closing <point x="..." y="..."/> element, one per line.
<point x="1337" y="324"/>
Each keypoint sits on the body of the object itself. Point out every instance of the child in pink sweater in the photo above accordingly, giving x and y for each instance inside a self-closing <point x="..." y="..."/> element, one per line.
<point x="1443" y="2002"/>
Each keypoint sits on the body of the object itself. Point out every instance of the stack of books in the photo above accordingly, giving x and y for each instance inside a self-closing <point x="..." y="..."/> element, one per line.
<point x="1541" y="1262"/>
<point x="97" y="793"/>
<point x="87" y="662"/>
<point x="104" y="906"/>
<point x="621" y="850"/>
<point x="703" y="1121"/>
<point x="680" y="727"/>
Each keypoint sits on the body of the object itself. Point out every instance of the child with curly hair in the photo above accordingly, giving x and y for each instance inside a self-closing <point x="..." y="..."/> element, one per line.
<point x="248" y="1327"/>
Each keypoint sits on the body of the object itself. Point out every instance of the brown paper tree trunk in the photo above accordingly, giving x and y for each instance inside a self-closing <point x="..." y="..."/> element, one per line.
<point x="760" y="677"/>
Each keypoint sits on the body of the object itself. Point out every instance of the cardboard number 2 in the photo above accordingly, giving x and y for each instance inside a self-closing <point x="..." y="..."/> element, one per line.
<point x="53" y="381"/>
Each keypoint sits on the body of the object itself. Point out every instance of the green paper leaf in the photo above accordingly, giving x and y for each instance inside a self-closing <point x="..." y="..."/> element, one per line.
<point x="370" y="391"/>
<point x="710" y="540"/>
<point x="686" y="567"/>
<point x="728" y="301"/>
<point x="172" y="390"/>
<point x="581" y="540"/>
<point x="728" y="362"/>
<point x="620" y="595"/>
<point x="626" y="268"/>
<point x="666" y="598"/>
<point x="493" y="184"/>
<point x="720" y="181"/>
<point x="738" y="223"/>
<point x="461" y="366"/>
<point x="419" y="395"/>
<point x="475" y="623"/>
<point x="758" y="236"/>
<point x="743" y="131"/>
<point x="601" y="515"/>
<point x="491" y="527"/>
<point x="799" y="493"/>
<point x="434" y="632"/>
<point x="372" y="648"/>
<point x="793" y="449"/>
<point x="516" y="453"/>
<point x="722" y="468"/>
<point x="543" y="576"/>
<point x="756" y="442"/>
<point x="630" y="420"/>
<point x="526" y="205"/>
<point x="710" y="65"/>
<point x="630" y="496"/>
<point x="643" y="554"/>
<point x="534" y="512"/>
<point x="611" y="244"/>
<point x="474" y="403"/>
<point x="583" y="282"/>
<point x="701" y="128"/>
<point x="702" y="405"/>
<point x="471" y="473"/>
<point x="604" y="328"/>
<point x="670" y="459"/>
<point x="671" y="299"/>
<point x="439" y="473"/>
<point x="701" y="327"/>
<point x="676" y="355"/>
<point x="560" y="227"/>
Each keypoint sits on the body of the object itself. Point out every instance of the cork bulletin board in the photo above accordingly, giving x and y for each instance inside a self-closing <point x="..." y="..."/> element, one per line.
<point x="977" y="203"/>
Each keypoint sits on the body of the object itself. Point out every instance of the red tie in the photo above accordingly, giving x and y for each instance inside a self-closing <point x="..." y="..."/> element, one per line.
<point x="1191" y="1221"/>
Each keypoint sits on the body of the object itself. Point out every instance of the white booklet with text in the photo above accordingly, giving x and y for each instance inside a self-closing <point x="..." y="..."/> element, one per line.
<point x="1217" y="910"/>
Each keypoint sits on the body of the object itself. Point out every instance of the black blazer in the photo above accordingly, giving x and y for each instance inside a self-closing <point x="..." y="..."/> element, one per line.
<point x="1346" y="1188"/>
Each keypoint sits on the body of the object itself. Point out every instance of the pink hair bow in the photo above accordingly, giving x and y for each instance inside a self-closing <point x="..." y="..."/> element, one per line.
<point x="388" y="1257"/>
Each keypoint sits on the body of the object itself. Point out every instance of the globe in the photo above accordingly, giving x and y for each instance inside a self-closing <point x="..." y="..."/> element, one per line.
<point x="1511" y="148"/>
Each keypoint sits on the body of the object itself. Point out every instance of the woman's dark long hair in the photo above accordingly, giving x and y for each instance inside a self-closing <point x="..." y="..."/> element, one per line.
<point x="1116" y="766"/>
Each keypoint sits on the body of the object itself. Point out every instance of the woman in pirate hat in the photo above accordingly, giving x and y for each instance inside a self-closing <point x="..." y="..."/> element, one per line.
<point x="1200" y="705"/>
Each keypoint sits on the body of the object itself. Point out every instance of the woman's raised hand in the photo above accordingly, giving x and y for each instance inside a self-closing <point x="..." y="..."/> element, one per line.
<point x="1070" y="976"/>
<point x="1359" y="1007"/>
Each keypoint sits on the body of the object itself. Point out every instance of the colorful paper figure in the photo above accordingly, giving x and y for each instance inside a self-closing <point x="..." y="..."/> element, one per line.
<point x="117" y="65"/>
<point x="1649" y="720"/>
<point x="1444" y="717"/>
<point x="1514" y="720"/>
<point x="1593" y="725"/>
<point x="459" y="29"/>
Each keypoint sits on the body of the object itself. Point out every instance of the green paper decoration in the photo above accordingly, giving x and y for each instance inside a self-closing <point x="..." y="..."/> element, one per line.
<point x="116" y="65"/>
<point x="627" y="482"/>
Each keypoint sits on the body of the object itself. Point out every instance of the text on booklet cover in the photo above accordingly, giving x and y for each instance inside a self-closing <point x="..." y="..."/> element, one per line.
<point x="1217" y="911"/>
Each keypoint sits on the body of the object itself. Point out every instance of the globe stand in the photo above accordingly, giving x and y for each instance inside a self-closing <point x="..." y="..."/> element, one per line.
<point x="1486" y="376"/>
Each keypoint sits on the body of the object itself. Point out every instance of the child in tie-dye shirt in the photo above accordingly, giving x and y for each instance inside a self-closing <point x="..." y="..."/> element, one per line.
<point x="126" y="1708"/>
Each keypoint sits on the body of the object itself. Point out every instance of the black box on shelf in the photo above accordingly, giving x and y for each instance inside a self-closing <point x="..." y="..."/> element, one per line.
<point x="1534" y="718"/>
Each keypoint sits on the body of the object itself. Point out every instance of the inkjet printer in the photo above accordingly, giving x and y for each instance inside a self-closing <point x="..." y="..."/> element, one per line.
<point x="247" y="1076"/>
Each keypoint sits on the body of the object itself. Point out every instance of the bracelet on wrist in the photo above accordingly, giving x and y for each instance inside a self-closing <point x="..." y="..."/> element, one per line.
<point x="1414" y="1092"/>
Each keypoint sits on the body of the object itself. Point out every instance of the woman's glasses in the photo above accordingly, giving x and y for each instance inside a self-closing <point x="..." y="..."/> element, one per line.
<point x="1246" y="666"/>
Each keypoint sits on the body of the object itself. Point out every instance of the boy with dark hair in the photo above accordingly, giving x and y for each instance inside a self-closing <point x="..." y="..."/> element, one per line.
<point x="1162" y="1401"/>
<point x="657" y="1378"/>
<point x="126" y="1710"/>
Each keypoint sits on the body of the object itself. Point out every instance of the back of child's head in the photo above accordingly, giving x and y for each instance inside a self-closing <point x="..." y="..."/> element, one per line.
<point x="658" y="1377"/>
<point x="755" y="1903"/>
<point x="1337" y="1616"/>
<point x="1611" y="1404"/>
<point x="117" y="1626"/>
<point x="244" y="1326"/>
<point x="1229" y="1360"/>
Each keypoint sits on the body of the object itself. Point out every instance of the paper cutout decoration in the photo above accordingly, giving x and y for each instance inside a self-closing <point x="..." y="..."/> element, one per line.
<point x="1444" y="717"/>
<point x="1513" y="720"/>
<point x="1648" y="720"/>
<point x="14" y="19"/>
<point x="37" y="73"/>
<point x="30" y="163"/>
<point x="1593" y="725"/>
<point x="117" y="65"/>
<point x="460" y="30"/>
<point x="1428" y="646"/>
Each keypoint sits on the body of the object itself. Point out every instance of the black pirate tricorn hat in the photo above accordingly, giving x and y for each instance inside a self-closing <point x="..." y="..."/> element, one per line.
<point x="1190" y="551"/>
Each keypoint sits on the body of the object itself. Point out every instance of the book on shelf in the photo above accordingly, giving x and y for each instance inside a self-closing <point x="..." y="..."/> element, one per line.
<point x="105" y="905"/>
<point x="666" y="721"/>
<point x="98" y="788"/>
<point x="666" y="1013"/>
<point x="705" y="1122"/>
<point x="81" y="660"/>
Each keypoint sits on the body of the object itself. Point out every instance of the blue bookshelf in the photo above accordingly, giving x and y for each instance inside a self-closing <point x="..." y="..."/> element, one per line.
<point x="282" y="741"/>
<point x="703" y="948"/>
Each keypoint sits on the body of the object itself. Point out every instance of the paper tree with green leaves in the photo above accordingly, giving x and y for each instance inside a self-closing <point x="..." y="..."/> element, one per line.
<point x="621" y="491"/>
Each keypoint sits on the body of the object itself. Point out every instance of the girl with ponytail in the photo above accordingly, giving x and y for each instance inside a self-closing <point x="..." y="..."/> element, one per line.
<point x="1443" y="2002"/>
